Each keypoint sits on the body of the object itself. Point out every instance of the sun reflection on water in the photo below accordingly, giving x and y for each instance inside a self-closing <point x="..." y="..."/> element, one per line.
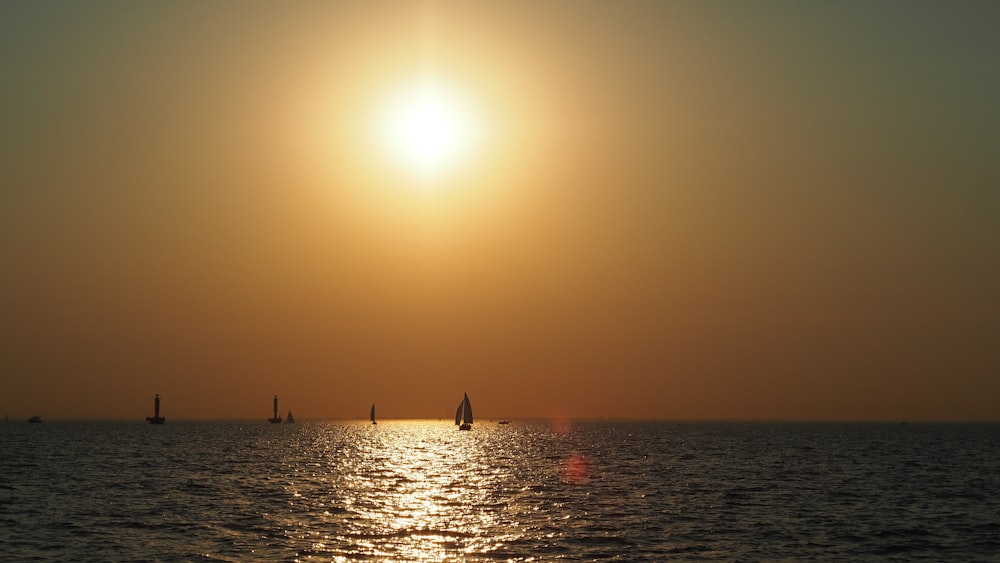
<point x="409" y="491"/>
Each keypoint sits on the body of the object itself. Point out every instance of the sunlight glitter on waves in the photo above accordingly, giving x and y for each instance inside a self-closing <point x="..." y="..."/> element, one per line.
<point x="416" y="494"/>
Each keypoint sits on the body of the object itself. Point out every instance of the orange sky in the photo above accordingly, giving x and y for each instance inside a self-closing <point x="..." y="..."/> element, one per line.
<point x="680" y="210"/>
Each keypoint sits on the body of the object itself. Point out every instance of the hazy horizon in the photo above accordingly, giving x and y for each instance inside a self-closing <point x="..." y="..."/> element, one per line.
<point x="641" y="209"/>
<point x="561" y="422"/>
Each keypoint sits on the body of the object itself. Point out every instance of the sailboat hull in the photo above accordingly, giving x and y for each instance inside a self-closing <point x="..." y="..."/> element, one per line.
<point x="465" y="426"/>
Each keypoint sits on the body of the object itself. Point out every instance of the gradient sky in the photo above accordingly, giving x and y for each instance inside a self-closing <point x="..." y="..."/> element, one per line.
<point x="681" y="210"/>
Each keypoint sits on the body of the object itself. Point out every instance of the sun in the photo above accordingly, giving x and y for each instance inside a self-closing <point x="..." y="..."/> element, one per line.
<point x="427" y="128"/>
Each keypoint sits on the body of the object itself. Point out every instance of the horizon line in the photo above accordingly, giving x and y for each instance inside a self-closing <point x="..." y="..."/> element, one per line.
<point x="547" y="419"/>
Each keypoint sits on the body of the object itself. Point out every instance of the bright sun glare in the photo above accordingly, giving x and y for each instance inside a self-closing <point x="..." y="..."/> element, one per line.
<point x="427" y="128"/>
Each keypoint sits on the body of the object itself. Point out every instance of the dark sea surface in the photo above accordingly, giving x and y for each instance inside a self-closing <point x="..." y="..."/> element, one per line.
<point x="528" y="491"/>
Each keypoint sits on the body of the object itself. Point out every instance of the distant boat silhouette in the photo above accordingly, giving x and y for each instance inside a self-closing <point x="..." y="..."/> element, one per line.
<point x="289" y="418"/>
<point x="373" y="414"/>
<point x="156" y="418"/>
<point x="35" y="418"/>
<point x="275" y="419"/>
<point x="504" y="422"/>
<point x="463" y="416"/>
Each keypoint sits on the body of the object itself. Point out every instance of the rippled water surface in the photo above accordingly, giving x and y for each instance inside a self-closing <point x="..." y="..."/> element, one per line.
<point x="528" y="491"/>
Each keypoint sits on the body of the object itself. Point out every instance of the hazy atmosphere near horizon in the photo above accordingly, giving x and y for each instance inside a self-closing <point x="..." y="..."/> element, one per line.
<point x="670" y="210"/>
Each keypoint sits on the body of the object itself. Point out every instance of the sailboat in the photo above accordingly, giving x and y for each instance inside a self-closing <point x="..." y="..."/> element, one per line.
<point x="275" y="419"/>
<point x="463" y="416"/>
<point x="373" y="414"/>
<point x="289" y="418"/>
<point x="156" y="418"/>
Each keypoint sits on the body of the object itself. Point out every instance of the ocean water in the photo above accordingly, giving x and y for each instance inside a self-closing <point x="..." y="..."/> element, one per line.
<point x="528" y="491"/>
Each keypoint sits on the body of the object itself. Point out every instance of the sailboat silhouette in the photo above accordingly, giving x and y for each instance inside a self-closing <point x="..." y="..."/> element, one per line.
<point x="275" y="419"/>
<point x="156" y="418"/>
<point x="463" y="416"/>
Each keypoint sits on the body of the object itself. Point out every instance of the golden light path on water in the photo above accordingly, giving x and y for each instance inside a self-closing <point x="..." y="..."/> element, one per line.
<point x="233" y="491"/>
<point x="413" y="491"/>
